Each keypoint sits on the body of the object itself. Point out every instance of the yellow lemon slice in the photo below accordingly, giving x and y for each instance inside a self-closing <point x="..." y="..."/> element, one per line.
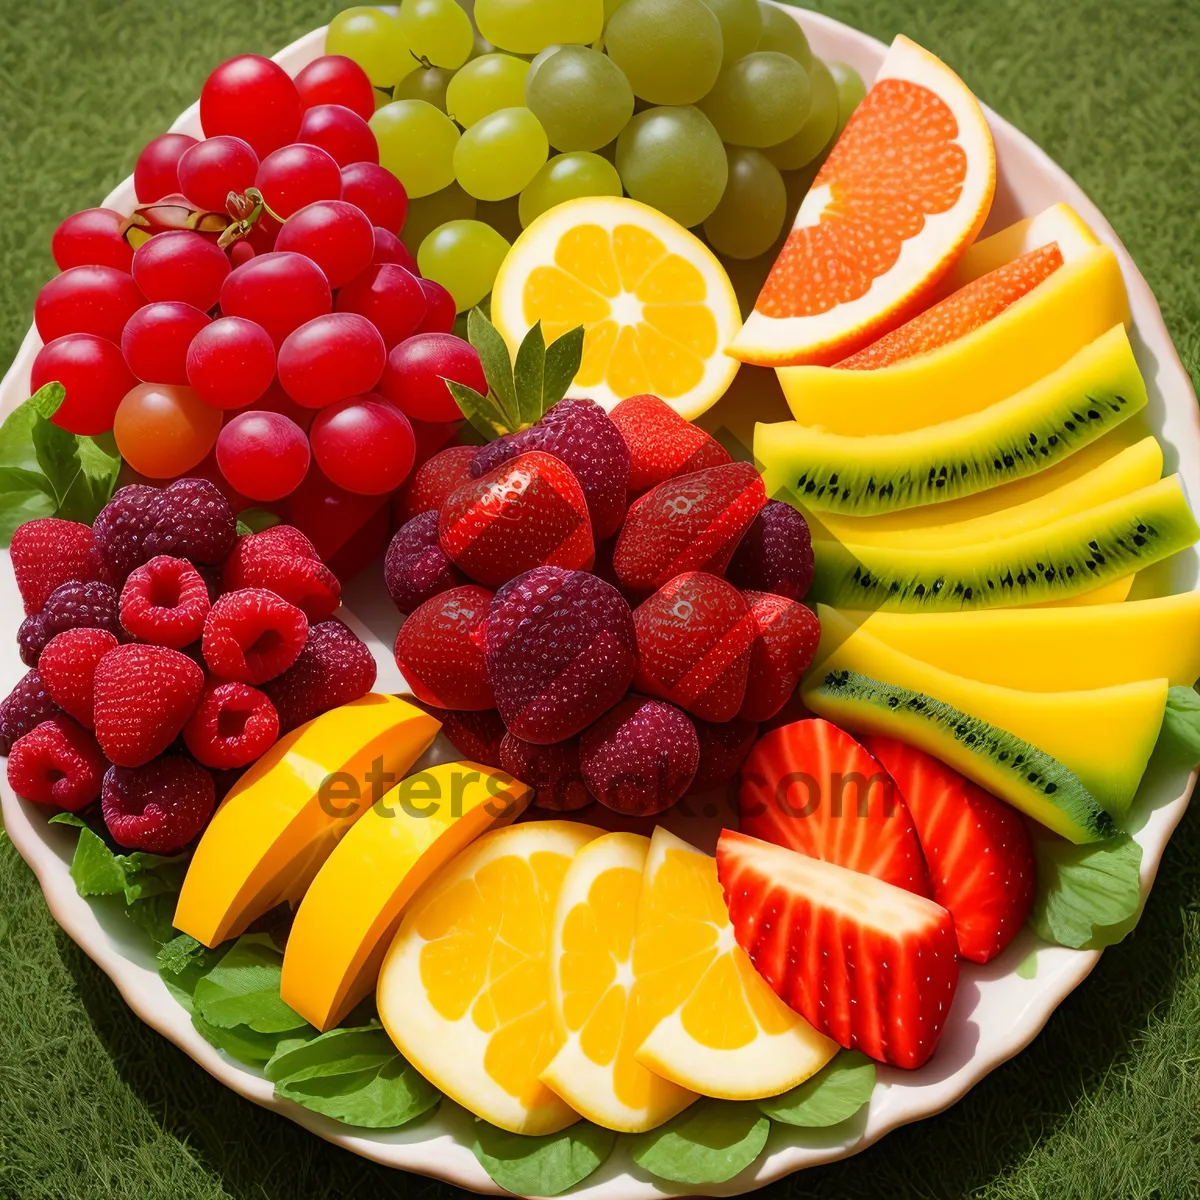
<point x="657" y="308"/>
<point x="464" y="989"/>
<point x="591" y="953"/>
<point x="715" y="1026"/>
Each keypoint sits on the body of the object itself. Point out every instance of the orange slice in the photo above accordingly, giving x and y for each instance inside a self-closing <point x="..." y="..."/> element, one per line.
<point x="907" y="186"/>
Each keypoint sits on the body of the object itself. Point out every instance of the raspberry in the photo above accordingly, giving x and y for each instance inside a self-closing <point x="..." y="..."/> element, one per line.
<point x="192" y="519"/>
<point x="68" y="668"/>
<point x="144" y="697"/>
<point x="440" y="650"/>
<point x="72" y="606"/>
<point x="552" y="771"/>
<point x="121" y="527"/>
<point x="158" y="807"/>
<point x="282" y="560"/>
<point x="775" y="555"/>
<point x="723" y="748"/>
<point x="416" y="567"/>
<point x="434" y="480"/>
<point x="165" y="602"/>
<point x="253" y="635"/>
<point x="47" y="553"/>
<point x="232" y="725"/>
<point x="661" y="443"/>
<point x="23" y="709"/>
<point x="334" y="668"/>
<point x="57" y="763"/>
<point x="475" y="735"/>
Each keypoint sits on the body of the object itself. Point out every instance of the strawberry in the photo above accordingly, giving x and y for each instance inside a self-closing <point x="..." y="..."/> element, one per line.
<point x="434" y="480"/>
<point x="440" y="650"/>
<point x="475" y="735"/>
<point x="48" y="552"/>
<point x="282" y="560"/>
<point x="872" y="966"/>
<point x="723" y="748"/>
<point x="981" y="860"/>
<point x="786" y="635"/>
<point x="812" y="787"/>
<point x="661" y="443"/>
<point x="552" y="771"/>
<point x="692" y="523"/>
<point x="68" y="668"/>
<point x="528" y="512"/>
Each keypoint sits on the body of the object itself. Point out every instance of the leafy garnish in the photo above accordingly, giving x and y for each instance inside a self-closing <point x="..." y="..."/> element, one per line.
<point x="243" y="989"/>
<point x="541" y="1166"/>
<point x="255" y="520"/>
<point x="833" y="1094"/>
<point x="1179" y="738"/>
<point x="710" y="1142"/>
<point x="240" y="1042"/>
<point x="182" y="963"/>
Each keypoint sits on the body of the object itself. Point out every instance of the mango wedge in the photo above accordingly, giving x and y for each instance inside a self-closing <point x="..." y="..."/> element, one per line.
<point x="282" y="819"/>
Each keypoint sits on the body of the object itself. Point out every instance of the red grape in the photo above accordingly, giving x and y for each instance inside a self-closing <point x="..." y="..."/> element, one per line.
<point x="231" y="363"/>
<point x="363" y="444"/>
<point x="340" y="131"/>
<point x="241" y="252"/>
<point x="252" y="98"/>
<point x="416" y="371"/>
<point x="439" y="316"/>
<point x="93" y="371"/>
<point x="211" y="169"/>
<point x="334" y="519"/>
<point x="92" y="238"/>
<point x="156" y="173"/>
<point x="377" y="192"/>
<point x="156" y="340"/>
<point x="164" y="430"/>
<point x="278" y="291"/>
<point x="335" y="235"/>
<point x="389" y="297"/>
<point x="390" y="249"/>
<point x="181" y="265"/>
<point x="95" y="300"/>
<point x="336" y="79"/>
<point x="298" y="175"/>
<point x="264" y="455"/>
<point x="275" y="399"/>
<point x="330" y="358"/>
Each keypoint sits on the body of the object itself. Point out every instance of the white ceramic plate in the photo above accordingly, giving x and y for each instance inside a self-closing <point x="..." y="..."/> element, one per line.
<point x="996" y="1012"/>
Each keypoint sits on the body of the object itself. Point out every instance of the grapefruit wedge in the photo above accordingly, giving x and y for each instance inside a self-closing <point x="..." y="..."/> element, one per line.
<point x="906" y="188"/>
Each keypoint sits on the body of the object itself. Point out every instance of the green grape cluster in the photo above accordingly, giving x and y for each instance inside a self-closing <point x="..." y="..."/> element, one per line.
<point x="492" y="112"/>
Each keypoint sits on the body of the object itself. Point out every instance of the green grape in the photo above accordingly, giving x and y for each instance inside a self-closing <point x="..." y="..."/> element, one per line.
<point x="374" y="40"/>
<point x="500" y="154"/>
<point x="581" y="98"/>
<point x="528" y="26"/>
<point x="782" y="33"/>
<point x="673" y="160"/>
<point x="750" y="216"/>
<point x="464" y="257"/>
<point x="425" y="83"/>
<point x="760" y="100"/>
<point x="814" y="135"/>
<point x="670" y="50"/>
<point x="741" y="26"/>
<point x="568" y="177"/>
<point x="416" y="143"/>
<point x="437" y="31"/>
<point x="481" y="46"/>
<point x="428" y="212"/>
<point x="610" y="7"/>
<point x="850" y="90"/>
<point x="484" y="86"/>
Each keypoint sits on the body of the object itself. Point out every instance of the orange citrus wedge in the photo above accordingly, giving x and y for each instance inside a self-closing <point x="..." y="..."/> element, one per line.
<point x="906" y="188"/>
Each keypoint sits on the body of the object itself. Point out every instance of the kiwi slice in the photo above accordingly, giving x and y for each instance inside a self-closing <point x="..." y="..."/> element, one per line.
<point x="1062" y="559"/>
<point x="1087" y="396"/>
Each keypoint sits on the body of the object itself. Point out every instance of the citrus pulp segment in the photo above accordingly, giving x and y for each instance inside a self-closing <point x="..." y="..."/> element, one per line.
<point x="906" y="187"/>
<point x="657" y="308"/>
<point x="464" y="989"/>
<point x="592" y="990"/>
<point x="715" y="1025"/>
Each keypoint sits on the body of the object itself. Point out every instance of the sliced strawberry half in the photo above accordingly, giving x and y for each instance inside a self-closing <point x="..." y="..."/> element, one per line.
<point x="873" y="966"/>
<point x="981" y="860"/>
<point x="810" y="786"/>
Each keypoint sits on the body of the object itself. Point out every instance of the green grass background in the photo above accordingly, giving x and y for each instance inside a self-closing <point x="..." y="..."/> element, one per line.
<point x="1105" y="1103"/>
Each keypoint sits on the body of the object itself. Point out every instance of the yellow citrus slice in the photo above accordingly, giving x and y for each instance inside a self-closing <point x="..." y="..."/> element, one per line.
<point x="715" y="1026"/>
<point x="657" y="308"/>
<point x="591" y="963"/>
<point x="464" y="989"/>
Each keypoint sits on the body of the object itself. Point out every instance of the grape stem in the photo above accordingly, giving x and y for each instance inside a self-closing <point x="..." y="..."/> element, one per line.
<point x="245" y="209"/>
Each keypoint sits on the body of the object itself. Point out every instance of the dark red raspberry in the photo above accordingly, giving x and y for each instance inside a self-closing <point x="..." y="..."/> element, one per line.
<point x="23" y="709"/>
<point x="57" y="763"/>
<point x="724" y="746"/>
<point x="282" y="560"/>
<point x="775" y="554"/>
<point x="72" y="606"/>
<point x="416" y="567"/>
<point x="232" y="725"/>
<point x="165" y="602"/>
<point x="334" y="668"/>
<point x="475" y="735"/>
<point x="158" y="807"/>
<point x="68" y="669"/>
<point x="192" y="519"/>
<point x="552" y="771"/>
<point x="47" y="553"/>
<point x="121" y="528"/>
<point x="253" y="635"/>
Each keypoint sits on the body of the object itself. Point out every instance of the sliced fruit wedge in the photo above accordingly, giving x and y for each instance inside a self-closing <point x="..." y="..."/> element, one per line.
<point x="1110" y="593"/>
<point x="905" y="189"/>
<point x="872" y="965"/>
<point x="591" y="992"/>
<point x="715" y="1027"/>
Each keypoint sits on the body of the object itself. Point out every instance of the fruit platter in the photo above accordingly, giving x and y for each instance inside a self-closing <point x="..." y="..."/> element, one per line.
<point x="600" y="598"/>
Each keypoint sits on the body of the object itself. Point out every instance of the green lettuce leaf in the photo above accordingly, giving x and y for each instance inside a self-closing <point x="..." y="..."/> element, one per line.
<point x="1179" y="738"/>
<point x="243" y="989"/>
<point x="541" y="1166"/>
<point x="710" y="1142"/>
<point x="833" y="1094"/>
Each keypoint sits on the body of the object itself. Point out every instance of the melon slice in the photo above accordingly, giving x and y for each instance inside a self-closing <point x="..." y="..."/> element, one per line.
<point x="906" y="187"/>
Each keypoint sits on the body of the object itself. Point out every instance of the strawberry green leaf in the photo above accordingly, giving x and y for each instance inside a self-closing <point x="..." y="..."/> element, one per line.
<point x="541" y="1166"/>
<point x="836" y="1092"/>
<point x="530" y="375"/>
<point x="563" y="357"/>
<point x="710" y="1142"/>
<point x="497" y="367"/>
<point x="479" y="410"/>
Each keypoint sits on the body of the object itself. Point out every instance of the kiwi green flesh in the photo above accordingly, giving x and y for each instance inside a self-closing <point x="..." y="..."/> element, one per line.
<point x="1018" y="772"/>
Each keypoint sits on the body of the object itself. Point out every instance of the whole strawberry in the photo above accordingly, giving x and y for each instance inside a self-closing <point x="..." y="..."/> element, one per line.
<point x="416" y="568"/>
<point x="434" y="480"/>
<point x="282" y="560"/>
<point x="68" y="668"/>
<point x="49" y="552"/>
<point x="440" y="650"/>
<point x="661" y="443"/>
<point x="786" y="635"/>
<point x="552" y="771"/>
<point x="775" y="555"/>
<point x="334" y="668"/>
